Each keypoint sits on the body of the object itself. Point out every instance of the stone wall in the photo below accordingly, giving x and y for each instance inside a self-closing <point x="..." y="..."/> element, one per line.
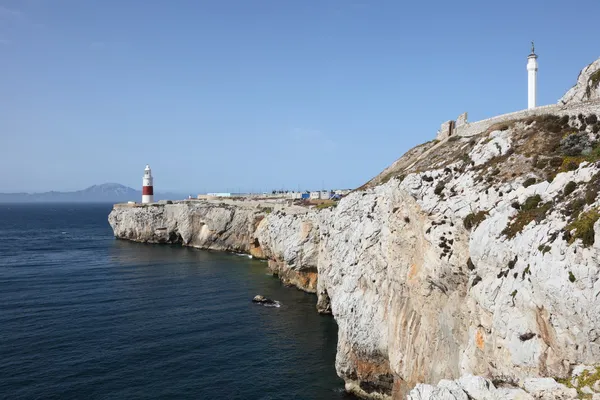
<point x="464" y="128"/>
<point x="446" y="130"/>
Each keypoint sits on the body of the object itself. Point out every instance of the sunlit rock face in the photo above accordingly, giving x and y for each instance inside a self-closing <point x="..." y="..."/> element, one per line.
<point x="587" y="86"/>
<point x="470" y="261"/>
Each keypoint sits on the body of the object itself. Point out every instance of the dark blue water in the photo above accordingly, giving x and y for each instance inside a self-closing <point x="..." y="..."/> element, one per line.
<point x="83" y="315"/>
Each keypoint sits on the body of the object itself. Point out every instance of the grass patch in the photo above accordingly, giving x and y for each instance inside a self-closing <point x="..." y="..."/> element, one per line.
<point x="586" y="378"/>
<point x="584" y="227"/>
<point x="326" y="204"/>
<point x="531" y="210"/>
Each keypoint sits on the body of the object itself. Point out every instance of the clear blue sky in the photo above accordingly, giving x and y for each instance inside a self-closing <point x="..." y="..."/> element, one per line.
<point x="261" y="94"/>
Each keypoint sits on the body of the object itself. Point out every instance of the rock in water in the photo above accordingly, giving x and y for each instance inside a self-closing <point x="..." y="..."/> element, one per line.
<point x="265" y="301"/>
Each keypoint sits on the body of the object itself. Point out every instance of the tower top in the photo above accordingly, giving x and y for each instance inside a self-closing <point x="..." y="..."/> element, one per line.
<point x="532" y="50"/>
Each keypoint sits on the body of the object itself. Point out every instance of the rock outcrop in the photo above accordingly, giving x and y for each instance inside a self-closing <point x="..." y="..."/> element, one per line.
<point x="587" y="86"/>
<point x="470" y="256"/>
<point x="205" y="225"/>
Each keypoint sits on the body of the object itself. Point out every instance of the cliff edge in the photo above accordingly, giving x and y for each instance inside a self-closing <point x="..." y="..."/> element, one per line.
<point x="469" y="256"/>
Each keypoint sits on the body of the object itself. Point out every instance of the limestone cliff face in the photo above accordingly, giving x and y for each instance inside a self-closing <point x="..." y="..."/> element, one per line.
<point x="587" y="86"/>
<point x="203" y="225"/>
<point x="475" y="255"/>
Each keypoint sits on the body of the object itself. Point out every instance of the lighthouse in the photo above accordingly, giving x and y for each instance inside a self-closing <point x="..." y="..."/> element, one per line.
<point x="147" y="188"/>
<point x="532" y="67"/>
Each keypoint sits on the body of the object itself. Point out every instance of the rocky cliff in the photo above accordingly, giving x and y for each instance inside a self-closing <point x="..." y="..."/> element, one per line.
<point x="587" y="86"/>
<point x="473" y="255"/>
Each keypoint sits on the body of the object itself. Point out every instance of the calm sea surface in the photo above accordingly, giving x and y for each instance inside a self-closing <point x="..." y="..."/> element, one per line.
<point x="83" y="315"/>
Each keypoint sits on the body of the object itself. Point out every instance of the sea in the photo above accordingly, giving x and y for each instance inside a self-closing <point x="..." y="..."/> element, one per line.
<point x="86" y="316"/>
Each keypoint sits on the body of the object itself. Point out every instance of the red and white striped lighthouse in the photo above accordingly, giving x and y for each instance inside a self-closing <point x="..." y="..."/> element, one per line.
<point x="147" y="188"/>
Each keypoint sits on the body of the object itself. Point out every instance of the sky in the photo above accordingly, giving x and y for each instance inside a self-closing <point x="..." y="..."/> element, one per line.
<point x="256" y="95"/>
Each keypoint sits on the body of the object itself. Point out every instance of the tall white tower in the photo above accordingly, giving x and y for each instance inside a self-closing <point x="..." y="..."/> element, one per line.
<point x="532" y="67"/>
<point x="147" y="187"/>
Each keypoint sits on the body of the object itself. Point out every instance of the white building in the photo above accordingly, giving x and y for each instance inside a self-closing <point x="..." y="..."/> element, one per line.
<point x="315" y="195"/>
<point x="532" y="67"/>
<point x="325" y="195"/>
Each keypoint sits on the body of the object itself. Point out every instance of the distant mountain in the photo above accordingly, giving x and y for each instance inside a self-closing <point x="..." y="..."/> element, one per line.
<point x="105" y="193"/>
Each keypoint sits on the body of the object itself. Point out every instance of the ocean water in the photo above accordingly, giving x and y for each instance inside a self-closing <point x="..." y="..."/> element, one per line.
<point x="83" y="315"/>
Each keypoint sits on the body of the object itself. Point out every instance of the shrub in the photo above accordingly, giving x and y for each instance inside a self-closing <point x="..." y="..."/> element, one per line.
<point x="582" y="128"/>
<point x="555" y="162"/>
<point x="472" y="220"/>
<point x="529" y="181"/>
<point x="573" y="208"/>
<point x="526" y="336"/>
<point x="569" y="188"/>
<point x="592" y="189"/>
<point x="531" y="202"/>
<point x="531" y="210"/>
<point x="584" y="227"/>
<point x="540" y="164"/>
<point x="525" y="272"/>
<point x="574" y="144"/>
<point x="439" y="188"/>
<point x="571" y="277"/>
<point x="591" y="119"/>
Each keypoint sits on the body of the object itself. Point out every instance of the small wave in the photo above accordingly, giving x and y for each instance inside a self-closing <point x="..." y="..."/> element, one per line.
<point x="276" y="304"/>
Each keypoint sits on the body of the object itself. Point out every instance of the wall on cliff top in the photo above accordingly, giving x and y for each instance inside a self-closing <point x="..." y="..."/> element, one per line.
<point x="582" y="98"/>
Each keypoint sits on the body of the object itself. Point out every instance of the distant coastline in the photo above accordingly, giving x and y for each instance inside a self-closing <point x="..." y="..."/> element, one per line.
<point x="104" y="193"/>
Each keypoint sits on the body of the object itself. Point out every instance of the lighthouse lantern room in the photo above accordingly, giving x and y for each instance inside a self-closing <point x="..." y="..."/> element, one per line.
<point x="147" y="187"/>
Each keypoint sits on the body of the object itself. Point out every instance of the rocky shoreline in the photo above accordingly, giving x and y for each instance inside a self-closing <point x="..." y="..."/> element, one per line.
<point x="474" y="259"/>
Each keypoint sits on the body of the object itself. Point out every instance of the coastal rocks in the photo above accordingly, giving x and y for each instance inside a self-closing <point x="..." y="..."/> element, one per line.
<point x="478" y="388"/>
<point x="587" y="86"/>
<point x="196" y="224"/>
<point x="265" y="301"/>
<point x="291" y="244"/>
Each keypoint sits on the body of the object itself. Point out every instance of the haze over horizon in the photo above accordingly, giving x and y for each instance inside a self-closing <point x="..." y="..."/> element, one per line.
<point x="261" y="95"/>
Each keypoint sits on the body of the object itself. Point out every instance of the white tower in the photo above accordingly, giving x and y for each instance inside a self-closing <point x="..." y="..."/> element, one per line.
<point x="532" y="67"/>
<point x="147" y="188"/>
